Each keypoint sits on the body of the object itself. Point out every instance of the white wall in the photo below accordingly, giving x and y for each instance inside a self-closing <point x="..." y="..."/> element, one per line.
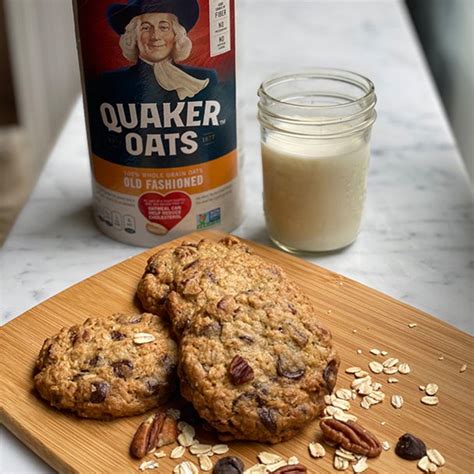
<point x="45" y="68"/>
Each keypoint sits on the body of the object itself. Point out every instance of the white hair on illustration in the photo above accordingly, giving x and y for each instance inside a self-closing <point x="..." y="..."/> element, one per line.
<point x="128" y="41"/>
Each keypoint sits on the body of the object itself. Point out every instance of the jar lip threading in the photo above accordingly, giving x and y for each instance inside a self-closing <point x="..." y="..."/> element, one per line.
<point x="341" y="75"/>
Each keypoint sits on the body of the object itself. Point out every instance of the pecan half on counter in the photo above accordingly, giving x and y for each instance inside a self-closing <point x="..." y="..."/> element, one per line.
<point x="351" y="436"/>
<point x="156" y="431"/>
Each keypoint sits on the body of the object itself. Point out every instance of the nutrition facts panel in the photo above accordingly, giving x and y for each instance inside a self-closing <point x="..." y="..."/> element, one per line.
<point x="219" y="27"/>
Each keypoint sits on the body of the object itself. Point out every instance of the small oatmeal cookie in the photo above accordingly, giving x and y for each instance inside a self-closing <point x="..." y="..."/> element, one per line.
<point x="108" y="367"/>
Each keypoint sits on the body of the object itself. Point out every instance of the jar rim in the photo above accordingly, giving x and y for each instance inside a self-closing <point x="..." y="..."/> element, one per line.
<point x="342" y="75"/>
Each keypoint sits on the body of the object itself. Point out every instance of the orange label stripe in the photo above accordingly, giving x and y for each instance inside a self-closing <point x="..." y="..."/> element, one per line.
<point x="190" y="179"/>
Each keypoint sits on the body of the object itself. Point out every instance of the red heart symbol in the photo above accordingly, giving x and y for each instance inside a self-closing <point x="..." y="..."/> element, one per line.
<point x="165" y="210"/>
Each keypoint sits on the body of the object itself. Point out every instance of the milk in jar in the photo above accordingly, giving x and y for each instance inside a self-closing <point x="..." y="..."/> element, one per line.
<point x="315" y="136"/>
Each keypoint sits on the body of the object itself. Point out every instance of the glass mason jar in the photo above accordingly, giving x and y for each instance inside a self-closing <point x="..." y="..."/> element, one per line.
<point x="315" y="134"/>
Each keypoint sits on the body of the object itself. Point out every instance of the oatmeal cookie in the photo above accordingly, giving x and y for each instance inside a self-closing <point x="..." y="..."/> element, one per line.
<point x="183" y="279"/>
<point x="254" y="361"/>
<point x="257" y="365"/>
<point x="108" y="367"/>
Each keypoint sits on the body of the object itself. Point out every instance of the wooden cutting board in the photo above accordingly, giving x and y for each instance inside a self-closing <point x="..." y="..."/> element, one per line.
<point x="359" y="317"/>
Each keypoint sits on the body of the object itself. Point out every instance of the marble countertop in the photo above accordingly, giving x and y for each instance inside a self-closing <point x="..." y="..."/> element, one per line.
<point x="416" y="241"/>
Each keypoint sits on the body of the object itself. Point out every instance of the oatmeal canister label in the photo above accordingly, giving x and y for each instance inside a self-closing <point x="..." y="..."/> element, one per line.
<point x="159" y="97"/>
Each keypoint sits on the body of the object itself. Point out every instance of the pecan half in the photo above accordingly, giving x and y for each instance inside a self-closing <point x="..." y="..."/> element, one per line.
<point x="240" y="371"/>
<point x="291" y="469"/>
<point x="146" y="436"/>
<point x="351" y="436"/>
<point x="168" y="433"/>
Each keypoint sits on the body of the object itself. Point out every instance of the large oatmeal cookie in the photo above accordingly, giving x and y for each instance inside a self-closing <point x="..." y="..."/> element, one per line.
<point x="257" y="365"/>
<point x="254" y="361"/>
<point x="102" y="369"/>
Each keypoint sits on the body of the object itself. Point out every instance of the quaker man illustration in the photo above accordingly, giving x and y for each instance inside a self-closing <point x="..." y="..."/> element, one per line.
<point x="154" y="37"/>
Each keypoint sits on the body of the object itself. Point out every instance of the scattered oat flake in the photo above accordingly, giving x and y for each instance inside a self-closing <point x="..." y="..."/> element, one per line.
<point x="331" y="410"/>
<point x="397" y="401"/>
<point x="426" y="465"/>
<point x="354" y="331"/>
<point x="392" y="380"/>
<point x="143" y="338"/>
<point x="340" y="464"/>
<point x="345" y="417"/>
<point x="268" y="458"/>
<point x="428" y="400"/>
<point x="145" y="465"/>
<point x="359" y="351"/>
<point x="375" y="367"/>
<point x="440" y="358"/>
<point x="199" y="448"/>
<point x="412" y="325"/>
<point x="431" y="389"/>
<point x="422" y="387"/>
<point x="344" y="394"/>
<point x="316" y="450"/>
<point x="357" y="382"/>
<point x="375" y="351"/>
<point x="383" y="353"/>
<point x="177" y="452"/>
<point x="390" y="370"/>
<point x="185" y="439"/>
<point x="383" y="423"/>
<point x="342" y="404"/>
<point x="365" y="389"/>
<point x="353" y="370"/>
<point x="376" y="386"/>
<point x="463" y="368"/>
<point x="186" y="467"/>
<point x="329" y="311"/>
<point x="404" y="369"/>
<point x="366" y="403"/>
<point x="293" y="460"/>
<point x="390" y="362"/>
<point x="435" y="457"/>
<point x="329" y="398"/>
<point x="361" y="373"/>
<point x="220" y="448"/>
<point x="385" y="445"/>
<point x="160" y="454"/>
<point x="205" y="462"/>
<point x="344" y="453"/>
<point x="361" y="465"/>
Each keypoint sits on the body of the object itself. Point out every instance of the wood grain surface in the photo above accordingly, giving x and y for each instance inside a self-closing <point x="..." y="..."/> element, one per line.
<point x="359" y="318"/>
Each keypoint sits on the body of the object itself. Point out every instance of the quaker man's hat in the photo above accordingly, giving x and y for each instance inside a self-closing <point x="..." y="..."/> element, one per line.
<point x="120" y="15"/>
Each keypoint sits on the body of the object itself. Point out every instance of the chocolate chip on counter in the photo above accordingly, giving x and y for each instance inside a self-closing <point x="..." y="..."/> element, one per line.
<point x="268" y="418"/>
<point x="410" y="447"/>
<point x="229" y="465"/>
<point x="240" y="371"/>
<point x="288" y="368"/>
<point x="99" y="392"/>
<point x="330" y="375"/>
<point x="123" y="368"/>
<point x="117" y="335"/>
